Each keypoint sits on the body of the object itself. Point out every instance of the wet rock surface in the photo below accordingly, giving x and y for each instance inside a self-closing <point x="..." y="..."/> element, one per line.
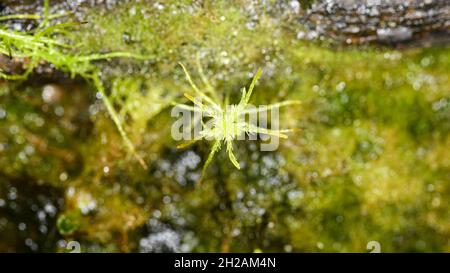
<point x="370" y="157"/>
<point x="76" y="8"/>
<point x="347" y="21"/>
<point x="362" y="21"/>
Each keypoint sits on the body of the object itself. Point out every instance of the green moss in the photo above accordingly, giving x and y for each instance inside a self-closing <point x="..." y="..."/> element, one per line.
<point x="370" y="162"/>
<point x="46" y="44"/>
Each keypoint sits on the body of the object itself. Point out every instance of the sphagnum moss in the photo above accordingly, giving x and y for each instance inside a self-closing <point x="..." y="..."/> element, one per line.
<point x="42" y="44"/>
<point x="227" y="121"/>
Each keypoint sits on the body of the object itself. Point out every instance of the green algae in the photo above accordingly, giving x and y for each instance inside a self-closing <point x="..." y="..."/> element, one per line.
<point x="370" y="162"/>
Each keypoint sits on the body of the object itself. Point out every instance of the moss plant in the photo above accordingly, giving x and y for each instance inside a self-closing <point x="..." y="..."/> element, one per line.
<point x="228" y="121"/>
<point x="43" y="45"/>
<point x="372" y="161"/>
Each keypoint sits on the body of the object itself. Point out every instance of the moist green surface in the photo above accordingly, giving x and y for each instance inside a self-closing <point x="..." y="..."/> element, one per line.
<point x="371" y="161"/>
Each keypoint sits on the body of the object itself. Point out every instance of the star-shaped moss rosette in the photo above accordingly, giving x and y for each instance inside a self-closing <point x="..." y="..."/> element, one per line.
<point x="224" y="123"/>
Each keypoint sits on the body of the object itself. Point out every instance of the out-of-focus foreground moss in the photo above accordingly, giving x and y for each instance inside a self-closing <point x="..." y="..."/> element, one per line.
<point x="371" y="162"/>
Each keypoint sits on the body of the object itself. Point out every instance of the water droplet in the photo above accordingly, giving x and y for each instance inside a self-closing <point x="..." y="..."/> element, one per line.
<point x="166" y="199"/>
<point x="59" y="111"/>
<point x="340" y="86"/>
<point x="51" y="93"/>
<point x="22" y="226"/>
<point x="2" y="113"/>
<point x="63" y="176"/>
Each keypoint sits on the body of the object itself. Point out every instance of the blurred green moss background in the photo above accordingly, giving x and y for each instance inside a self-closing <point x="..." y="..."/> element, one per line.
<point x="371" y="161"/>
